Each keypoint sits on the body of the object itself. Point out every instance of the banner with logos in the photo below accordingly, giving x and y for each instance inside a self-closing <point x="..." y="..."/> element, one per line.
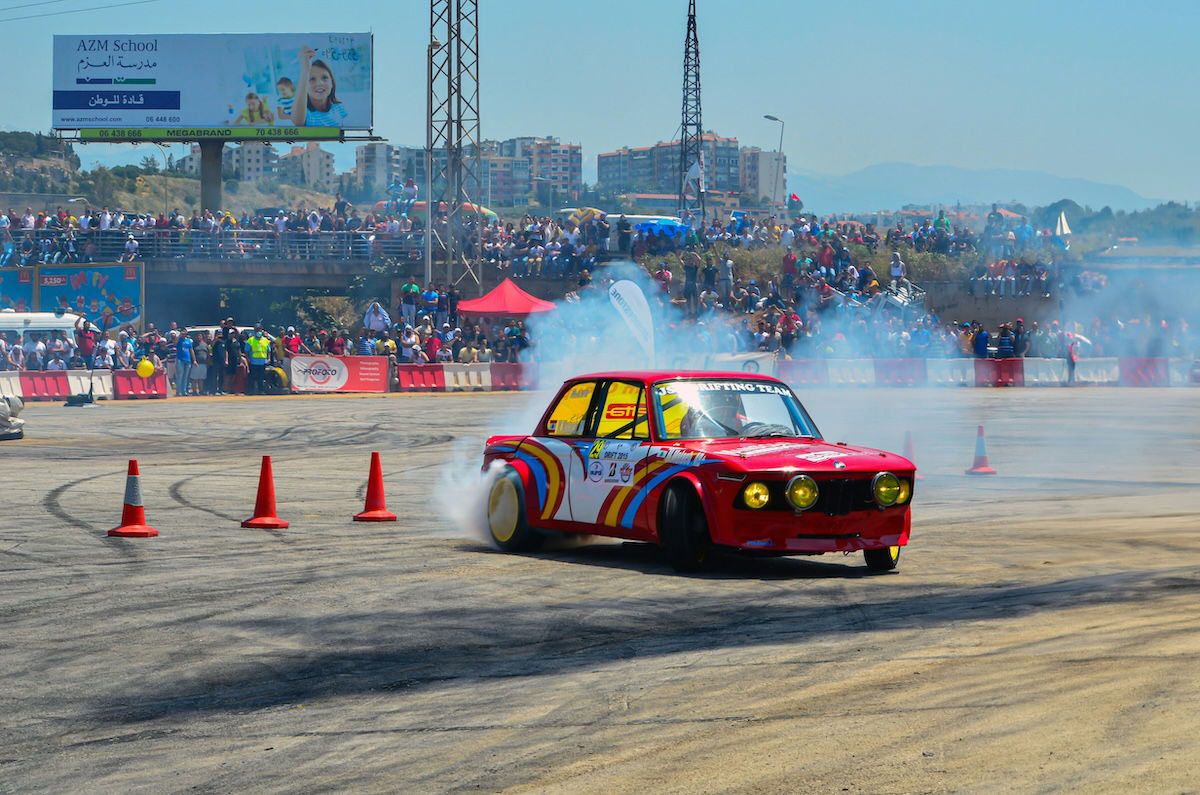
<point x="339" y="373"/>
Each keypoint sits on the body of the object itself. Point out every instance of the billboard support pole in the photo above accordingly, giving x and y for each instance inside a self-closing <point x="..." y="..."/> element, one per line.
<point x="211" y="153"/>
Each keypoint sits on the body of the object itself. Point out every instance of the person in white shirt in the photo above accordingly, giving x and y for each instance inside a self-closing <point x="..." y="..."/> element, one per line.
<point x="28" y="220"/>
<point x="131" y="250"/>
<point x="85" y="222"/>
<point x="106" y="220"/>
<point x="57" y="362"/>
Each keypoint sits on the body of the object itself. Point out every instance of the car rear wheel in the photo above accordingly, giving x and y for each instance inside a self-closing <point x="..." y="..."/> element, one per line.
<point x="683" y="530"/>
<point x="884" y="559"/>
<point x="506" y="518"/>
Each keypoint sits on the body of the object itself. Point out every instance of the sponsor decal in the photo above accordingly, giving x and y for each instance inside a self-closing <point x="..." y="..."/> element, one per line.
<point x="613" y="450"/>
<point x="626" y="472"/>
<point x="766" y="449"/>
<point x="759" y="387"/>
<point x="821" y="455"/>
<point x="757" y="542"/>
<point x="674" y="455"/>
<point x="839" y="464"/>
<point x="620" y="411"/>
<point x="613" y="475"/>
<point x="595" y="471"/>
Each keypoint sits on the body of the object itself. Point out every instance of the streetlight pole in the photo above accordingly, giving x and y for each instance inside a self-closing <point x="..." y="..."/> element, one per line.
<point x="778" y="157"/>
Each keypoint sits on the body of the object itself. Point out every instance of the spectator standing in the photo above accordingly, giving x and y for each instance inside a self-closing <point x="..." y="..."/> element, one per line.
<point x="201" y="355"/>
<point x="258" y="353"/>
<point x="183" y="363"/>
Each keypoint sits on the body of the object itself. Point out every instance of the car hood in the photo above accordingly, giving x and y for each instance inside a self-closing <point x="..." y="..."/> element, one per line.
<point x="793" y="455"/>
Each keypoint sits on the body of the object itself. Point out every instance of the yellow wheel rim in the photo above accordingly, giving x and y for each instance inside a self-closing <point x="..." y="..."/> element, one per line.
<point x="895" y="553"/>
<point x="504" y="510"/>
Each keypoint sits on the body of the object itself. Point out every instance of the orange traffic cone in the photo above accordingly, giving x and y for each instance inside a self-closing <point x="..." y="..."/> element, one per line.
<point x="375" y="509"/>
<point x="264" y="507"/>
<point x="908" y="452"/>
<point x="980" y="467"/>
<point x="133" y="515"/>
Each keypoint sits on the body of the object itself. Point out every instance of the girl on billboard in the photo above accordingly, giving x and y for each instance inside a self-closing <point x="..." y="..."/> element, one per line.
<point x="255" y="112"/>
<point x="316" y="103"/>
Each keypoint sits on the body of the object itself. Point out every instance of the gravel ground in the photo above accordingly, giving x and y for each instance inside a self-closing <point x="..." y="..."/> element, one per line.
<point x="1042" y="632"/>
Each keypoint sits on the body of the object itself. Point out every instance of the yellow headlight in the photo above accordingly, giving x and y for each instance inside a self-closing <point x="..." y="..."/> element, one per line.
<point x="756" y="495"/>
<point x="886" y="487"/>
<point x="802" y="492"/>
<point x="905" y="492"/>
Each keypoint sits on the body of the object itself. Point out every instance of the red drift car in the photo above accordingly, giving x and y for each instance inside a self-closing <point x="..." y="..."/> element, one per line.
<point x="691" y="460"/>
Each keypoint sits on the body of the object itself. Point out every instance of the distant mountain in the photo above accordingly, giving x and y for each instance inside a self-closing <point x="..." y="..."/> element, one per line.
<point x="890" y="186"/>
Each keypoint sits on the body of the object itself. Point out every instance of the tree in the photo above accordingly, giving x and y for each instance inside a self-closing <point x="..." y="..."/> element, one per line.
<point x="149" y="165"/>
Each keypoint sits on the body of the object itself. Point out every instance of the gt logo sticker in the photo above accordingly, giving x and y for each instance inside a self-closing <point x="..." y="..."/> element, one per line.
<point x="620" y="411"/>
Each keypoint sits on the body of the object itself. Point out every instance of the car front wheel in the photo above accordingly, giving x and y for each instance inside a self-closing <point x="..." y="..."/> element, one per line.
<point x="683" y="530"/>
<point x="506" y="519"/>
<point x="884" y="559"/>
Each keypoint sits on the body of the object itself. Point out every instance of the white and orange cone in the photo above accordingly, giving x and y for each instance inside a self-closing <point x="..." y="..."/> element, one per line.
<point x="133" y="514"/>
<point x="908" y="452"/>
<point x="981" y="465"/>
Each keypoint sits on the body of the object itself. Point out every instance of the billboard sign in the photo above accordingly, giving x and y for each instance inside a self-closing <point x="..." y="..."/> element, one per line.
<point x="109" y="295"/>
<point x="16" y="289"/>
<point x="283" y="85"/>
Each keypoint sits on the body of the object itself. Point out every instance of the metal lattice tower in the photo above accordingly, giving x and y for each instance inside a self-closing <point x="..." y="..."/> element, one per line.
<point x="690" y="139"/>
<point x="452" y="144"/>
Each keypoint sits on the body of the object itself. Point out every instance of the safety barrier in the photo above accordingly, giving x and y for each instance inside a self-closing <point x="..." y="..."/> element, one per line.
<point x="858" y="372"/>
<point x="1184" y="372"/>
<point x="44" y="385"/>
<point x="999" y="372"/>
<point x="513" y="375"/>
<point x="900" y="372"/>
<point x="467" y="378"/>
<point x="100" y="383"/>
<point x="1143" y="372"/>
<point x="1045" y="372"/>
<point x="950" y="372"/>
<point x="1098" y="372"/>
<point x="128" y="385"/>
<point x="803" y="372"/>
<point x="10" y="384"/>
<point x="420" y="378"/>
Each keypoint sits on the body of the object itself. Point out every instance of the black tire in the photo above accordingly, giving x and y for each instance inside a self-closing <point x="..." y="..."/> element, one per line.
<point x="884" y="559"/>
<point x="683" y="529"/>
<point x="506" y="520"/>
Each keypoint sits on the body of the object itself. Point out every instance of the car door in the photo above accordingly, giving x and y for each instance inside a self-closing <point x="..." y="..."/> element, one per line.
<point x="602" y="487"/>
<point x="554" y="454"/>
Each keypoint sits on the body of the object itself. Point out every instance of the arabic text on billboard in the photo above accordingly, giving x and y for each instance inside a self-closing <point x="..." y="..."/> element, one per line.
<point x="264" y="81"/>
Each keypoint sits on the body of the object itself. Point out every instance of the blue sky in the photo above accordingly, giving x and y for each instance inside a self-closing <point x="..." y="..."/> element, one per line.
<point x="1093" y="89"/>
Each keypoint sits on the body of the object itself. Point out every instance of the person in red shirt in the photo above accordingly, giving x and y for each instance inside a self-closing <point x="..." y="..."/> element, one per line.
<point x="85" y="340"/>
<point x="336" y="344"/>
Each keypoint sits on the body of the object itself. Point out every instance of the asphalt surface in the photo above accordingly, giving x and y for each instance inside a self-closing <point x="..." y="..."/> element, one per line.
<point x="1041" y="634"/>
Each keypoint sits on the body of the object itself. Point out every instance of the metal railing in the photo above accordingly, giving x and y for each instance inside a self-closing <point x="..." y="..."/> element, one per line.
<point x="56" y="246"/>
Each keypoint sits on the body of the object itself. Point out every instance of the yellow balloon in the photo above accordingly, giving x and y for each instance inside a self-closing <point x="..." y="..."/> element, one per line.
<point x="145" y="368"/>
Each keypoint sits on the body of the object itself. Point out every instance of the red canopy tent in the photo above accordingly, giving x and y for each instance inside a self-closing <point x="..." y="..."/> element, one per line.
<point x="506" y="300"/>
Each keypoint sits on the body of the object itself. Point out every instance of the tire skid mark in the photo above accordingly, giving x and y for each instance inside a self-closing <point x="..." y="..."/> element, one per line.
<point x="52" y="502"/>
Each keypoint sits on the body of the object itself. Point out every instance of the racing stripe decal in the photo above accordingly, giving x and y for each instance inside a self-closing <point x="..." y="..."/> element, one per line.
<point x="655" y="479"/>
<point x="610" y="512"/>
<point x="551" y="488"/>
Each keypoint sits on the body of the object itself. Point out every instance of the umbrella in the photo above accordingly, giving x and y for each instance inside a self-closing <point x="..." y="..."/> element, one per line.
<point x="581" y="215"/>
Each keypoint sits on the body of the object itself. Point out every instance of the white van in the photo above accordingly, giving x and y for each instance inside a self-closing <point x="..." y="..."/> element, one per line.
<point x="13" y="322"/>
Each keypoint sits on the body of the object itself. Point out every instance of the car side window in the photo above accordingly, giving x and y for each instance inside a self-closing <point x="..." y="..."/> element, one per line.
<point x="623" y="412"/>
<point x="570" y="414"/>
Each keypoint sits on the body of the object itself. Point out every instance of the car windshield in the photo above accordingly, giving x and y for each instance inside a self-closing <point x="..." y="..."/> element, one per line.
<point x="725" y="409"/>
